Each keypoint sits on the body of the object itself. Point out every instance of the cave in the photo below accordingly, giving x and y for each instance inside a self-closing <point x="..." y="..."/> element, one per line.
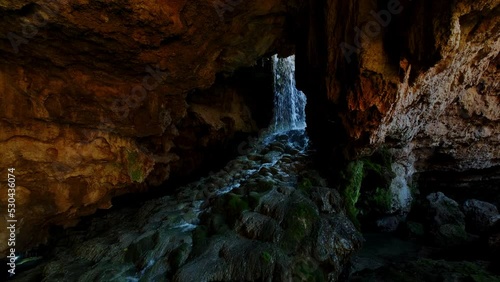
<point x="276" y="140"/>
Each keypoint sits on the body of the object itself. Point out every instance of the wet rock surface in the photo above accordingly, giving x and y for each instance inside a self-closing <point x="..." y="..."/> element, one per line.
<point x="480" y="216"/>
<point x="104" y="98"/>
<point x="262" y="217"/>
<point x="446" y="220"/>
<point x="423" y="82"/>
<point x="432" y="270"/>
<point x="428" y="89"/>
<point x="441" y="240"/>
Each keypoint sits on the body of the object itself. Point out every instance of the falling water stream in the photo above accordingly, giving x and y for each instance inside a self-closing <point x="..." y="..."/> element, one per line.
<point x="107" y="250"/>
<point x="289" y="102"/>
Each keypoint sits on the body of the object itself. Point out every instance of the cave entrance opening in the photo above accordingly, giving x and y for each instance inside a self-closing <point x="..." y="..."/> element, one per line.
<point x="213" y="207"/>
<point x="289" y="102"/>
<point x="288" y="124"/>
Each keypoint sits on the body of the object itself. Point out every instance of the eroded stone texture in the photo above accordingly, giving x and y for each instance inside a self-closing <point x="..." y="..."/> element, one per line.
<point x="260" y="218"/>
<point x="425" y="83"/>
<point x="93" y="96"/>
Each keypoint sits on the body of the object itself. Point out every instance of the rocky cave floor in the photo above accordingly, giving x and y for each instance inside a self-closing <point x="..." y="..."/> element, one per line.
<point x="386" y="257"/>
<point x="440" y="240"/>
<point x="266" y="216"/>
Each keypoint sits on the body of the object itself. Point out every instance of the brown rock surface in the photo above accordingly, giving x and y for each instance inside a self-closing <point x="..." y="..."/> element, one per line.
<point x="83" y="82"/>
<point x="424" y="82"/>
<point x="96" y="96"/>
<point x="418" y="77"/>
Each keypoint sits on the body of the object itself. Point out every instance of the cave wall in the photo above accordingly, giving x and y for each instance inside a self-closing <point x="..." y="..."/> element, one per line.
<point x="419" y="77"/>
<point x="96" y="97"/>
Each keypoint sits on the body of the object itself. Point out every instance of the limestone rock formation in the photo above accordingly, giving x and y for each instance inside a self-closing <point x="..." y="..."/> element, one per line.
<point x="82" y="83"/>
<point x="480" y="216"/>
<point x="101" y="98"/>
<point x="260" y="218"/>
<point x="420" y="77"/>
<point x="447" y="222"/>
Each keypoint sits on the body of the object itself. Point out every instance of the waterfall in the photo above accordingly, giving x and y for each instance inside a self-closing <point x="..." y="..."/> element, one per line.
<point x="288" y="123"/>
<point x="289" y="103"/>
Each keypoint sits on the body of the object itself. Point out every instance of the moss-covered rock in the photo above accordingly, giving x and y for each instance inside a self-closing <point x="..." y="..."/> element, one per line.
<point x="307" y="270"/>
<point x="200" y="240"/>
<point x="298" y="224"/>
<point x="263" y="185"/>
<point x="236" y="204"/>
<point x="366" y="187"/>
<point x="267" y="257"/>
<point x="352" y="190"/>
<point x="226" y="211"/>
<point x="134" y="168"/>
<point x="445" y="220"/>
<point x="305" y="185"/>
<point x="178" y="256"/>
<point x="382" y="199"/>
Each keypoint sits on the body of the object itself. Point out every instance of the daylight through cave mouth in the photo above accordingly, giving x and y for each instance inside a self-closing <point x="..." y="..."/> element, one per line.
<point x="289" y="102"/>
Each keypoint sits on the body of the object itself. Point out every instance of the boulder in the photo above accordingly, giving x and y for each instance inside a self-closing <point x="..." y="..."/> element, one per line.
<point x="479" y="215"/>
<point x="446" y="220"/>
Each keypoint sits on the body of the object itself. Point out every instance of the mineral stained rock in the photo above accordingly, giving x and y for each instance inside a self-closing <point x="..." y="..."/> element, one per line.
<point x="420" y="77"/>
<point x="81" y="82"/>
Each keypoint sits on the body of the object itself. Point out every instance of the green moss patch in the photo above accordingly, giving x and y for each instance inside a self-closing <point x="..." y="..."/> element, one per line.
<point x="134" y="167"/>
<point x="382" y="198"/>
<point x="352" y="190"/>
<point x="298" y="224"/>
<point x="266" y="257"/>
<point x="227" y="210"/>
<point x="306" y="270"/>
<point x="200" y="240"/>
<point x="236" y="204"/>
<point x="305" y="185"/>
<point x="366" y="185"/>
